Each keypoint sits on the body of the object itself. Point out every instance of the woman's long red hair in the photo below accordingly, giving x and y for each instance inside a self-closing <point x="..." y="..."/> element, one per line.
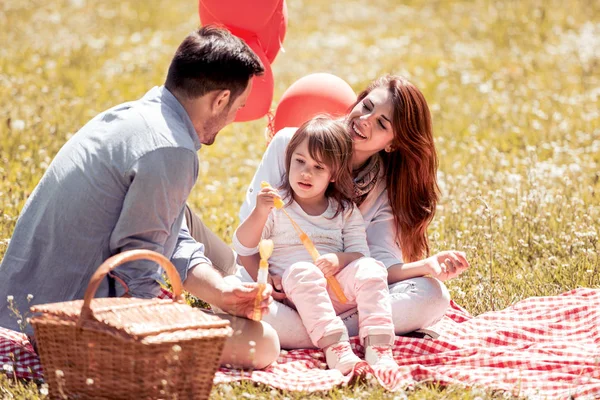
<point x="411" y="166"/>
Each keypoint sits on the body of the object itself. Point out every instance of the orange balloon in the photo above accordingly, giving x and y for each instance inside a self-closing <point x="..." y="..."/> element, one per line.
<point x="249" y="15"/>
<point x="272" y="35"/>
<point x="261" y="96"/>
<point x="311" y="95"/>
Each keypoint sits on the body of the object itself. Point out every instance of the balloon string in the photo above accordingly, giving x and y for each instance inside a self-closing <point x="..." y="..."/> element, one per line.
<point x="270" y="131"/>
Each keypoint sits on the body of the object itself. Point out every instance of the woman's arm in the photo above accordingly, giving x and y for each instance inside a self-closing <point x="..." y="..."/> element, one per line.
<point x="380" y="230"/>
<point x="443" y="266"/>
<point x="400" y="272"/>
<point x="383" y="246"/>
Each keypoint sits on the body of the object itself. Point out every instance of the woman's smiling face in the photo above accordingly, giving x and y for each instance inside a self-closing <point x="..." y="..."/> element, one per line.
<point x="370" y="124"/>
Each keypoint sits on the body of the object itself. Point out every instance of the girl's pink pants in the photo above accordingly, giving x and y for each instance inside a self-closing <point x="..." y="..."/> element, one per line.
<point x="364" y="282"/>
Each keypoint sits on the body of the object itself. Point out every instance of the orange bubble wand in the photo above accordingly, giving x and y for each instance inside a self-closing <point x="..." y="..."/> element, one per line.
<point x="265" y="248"/>
<point x="312" y="250"/>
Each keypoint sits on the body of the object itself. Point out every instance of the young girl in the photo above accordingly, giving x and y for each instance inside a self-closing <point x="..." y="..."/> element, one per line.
<point x="318" y="190"/>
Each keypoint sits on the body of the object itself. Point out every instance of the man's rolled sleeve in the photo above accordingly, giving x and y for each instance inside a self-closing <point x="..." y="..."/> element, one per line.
<point x="188" y="252"/>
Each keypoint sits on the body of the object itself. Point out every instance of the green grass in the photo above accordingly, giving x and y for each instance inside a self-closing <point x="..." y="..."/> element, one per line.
<point x="513" y="86"/>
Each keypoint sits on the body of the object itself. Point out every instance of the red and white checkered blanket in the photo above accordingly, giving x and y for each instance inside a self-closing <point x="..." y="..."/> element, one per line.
<point x="540" y="347"/>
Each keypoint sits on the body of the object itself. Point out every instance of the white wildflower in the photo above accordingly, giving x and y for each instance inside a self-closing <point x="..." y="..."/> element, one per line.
<point x="17" y="125"/>
<point x="77" y="3"/>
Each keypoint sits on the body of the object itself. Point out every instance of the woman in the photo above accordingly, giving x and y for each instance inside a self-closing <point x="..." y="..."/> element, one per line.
<point x="394" y="168"/>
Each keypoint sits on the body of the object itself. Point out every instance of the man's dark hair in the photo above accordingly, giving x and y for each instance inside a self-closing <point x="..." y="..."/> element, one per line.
<point x="210" y="59"/>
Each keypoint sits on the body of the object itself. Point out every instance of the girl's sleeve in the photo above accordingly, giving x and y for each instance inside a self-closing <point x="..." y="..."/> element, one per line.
<point x="353" y="232"/>
<point x="248" y="251"/>
<point x="271" y="169"/>
<point x="381" y="236"/>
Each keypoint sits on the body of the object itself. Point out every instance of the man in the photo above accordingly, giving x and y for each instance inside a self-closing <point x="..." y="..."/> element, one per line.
<point x="121" y="183"/>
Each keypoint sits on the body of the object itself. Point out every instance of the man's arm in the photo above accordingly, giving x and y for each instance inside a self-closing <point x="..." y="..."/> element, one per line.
<point x="160" y="182"/>
<point x="188" y="252"/>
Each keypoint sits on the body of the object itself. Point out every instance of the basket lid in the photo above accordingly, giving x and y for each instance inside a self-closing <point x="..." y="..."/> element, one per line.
<point x="135" y="318"/>
<point x="150" y="320"/>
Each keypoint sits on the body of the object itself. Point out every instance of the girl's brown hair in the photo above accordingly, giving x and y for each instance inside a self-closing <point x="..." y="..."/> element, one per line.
<point x="329" y="143"/>
<point x="411" y="166"/>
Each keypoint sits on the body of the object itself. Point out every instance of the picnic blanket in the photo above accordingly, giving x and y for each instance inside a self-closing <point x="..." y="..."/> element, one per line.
<point x="541" y="347"/>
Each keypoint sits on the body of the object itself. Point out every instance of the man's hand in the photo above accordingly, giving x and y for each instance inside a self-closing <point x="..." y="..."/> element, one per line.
<point x="329" y="264"/>
<point x="278" y="293"/>
<point x="238" y="299"/>
<point x="447" y="264"/>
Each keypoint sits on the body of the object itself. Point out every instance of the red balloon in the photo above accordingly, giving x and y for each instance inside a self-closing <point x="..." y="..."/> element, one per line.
<point x="206" y="18"/>
<point x="249" y="15"/>
<point x="272" y="35"/>
<point x="311" y="95"/>
<point x="261" y="96"/>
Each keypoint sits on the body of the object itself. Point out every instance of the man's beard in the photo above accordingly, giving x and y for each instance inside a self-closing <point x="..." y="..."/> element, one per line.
<point x="212" y="127"/>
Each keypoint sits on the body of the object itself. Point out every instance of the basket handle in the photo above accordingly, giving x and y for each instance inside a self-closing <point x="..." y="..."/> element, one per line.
<point x="121" y="258"/>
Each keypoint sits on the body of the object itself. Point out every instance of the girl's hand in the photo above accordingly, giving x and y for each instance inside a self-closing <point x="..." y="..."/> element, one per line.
<point x="447" y="264"/>
<point x="265" y="199"/>
<point x="275" y="281"/>
<point x="329" y="264"/>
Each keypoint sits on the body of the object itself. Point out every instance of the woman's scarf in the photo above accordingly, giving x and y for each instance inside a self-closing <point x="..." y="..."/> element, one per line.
<point x="366" y="179"/>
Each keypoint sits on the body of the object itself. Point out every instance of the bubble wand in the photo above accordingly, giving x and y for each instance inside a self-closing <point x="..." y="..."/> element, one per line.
<point x="265" y="248"/>
<point x="310" y="247"/>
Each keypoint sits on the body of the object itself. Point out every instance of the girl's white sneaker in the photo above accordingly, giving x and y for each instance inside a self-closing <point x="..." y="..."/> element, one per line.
<point x="380" y="356"/>
<point x="341" y="357"/>
<point x="378" y="352"/>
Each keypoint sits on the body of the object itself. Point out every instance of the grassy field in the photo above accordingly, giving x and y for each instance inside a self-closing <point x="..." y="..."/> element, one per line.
<point x="513" y="86"/>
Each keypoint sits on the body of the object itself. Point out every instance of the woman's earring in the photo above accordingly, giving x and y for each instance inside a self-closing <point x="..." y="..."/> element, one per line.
<point x="388" y="149"/>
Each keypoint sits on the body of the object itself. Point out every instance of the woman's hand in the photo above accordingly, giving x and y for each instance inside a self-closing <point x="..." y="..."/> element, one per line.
<point x="265" y="199"/>
<point x="447" y="264"/>
<point x="329" y="264"/>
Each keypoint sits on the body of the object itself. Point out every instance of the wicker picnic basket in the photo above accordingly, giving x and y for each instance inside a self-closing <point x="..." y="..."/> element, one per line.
<point x="125" y="348"/>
